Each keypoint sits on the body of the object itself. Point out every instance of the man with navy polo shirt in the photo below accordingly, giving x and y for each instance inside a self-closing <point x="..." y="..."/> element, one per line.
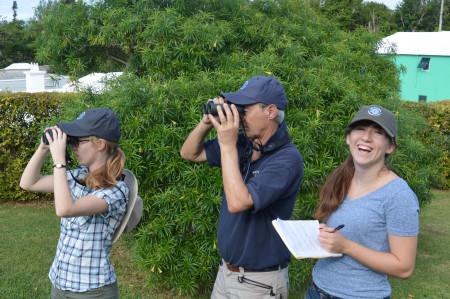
<point x="262" y="171"/>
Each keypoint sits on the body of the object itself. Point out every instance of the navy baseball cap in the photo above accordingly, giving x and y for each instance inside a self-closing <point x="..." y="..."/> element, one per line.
<point x="383" y="117"/>
<point x="99" y="122"/>
<point x="259" y="89"/>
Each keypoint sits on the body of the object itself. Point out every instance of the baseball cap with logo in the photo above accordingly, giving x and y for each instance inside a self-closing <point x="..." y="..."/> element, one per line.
<point x="99" y="122"/>
<point x="259" y="89"/>
<point x="384" y="118"/>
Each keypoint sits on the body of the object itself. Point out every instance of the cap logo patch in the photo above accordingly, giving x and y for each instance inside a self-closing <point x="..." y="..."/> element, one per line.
<point x="244" y="85"/>
<point x="81" y="115"/>
<point x="374" y="111"/>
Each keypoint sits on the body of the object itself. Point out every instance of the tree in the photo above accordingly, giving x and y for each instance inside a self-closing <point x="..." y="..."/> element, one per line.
<point x="346" y="13"/>
<point x="14" y="8"/>
<point x="445" y="26"/>
<point x="377" y="17"/>
<point x="15" y="43"/>
<point x="105" y="36"/>
<point x="418" y="15"/>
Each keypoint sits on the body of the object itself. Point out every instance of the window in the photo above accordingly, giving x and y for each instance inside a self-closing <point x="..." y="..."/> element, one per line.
<point x="422" y="98"/>
<point x="424" y="64"/>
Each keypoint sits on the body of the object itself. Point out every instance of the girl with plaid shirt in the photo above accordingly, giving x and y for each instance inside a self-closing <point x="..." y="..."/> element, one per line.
<point x="90" y="200"/>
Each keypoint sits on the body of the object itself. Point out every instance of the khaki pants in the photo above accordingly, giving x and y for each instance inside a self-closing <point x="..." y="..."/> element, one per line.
<point x="230" y="285"/>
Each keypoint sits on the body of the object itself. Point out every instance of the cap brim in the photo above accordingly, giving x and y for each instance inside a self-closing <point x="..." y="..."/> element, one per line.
<point x="238" y="98"/>
<point x="388" y="131"/>
<point x="73" y="129"/>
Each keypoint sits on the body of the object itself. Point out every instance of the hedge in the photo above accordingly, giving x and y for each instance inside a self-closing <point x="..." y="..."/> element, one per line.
<point x="21" y="123"/>
<point x="437" y="116"/>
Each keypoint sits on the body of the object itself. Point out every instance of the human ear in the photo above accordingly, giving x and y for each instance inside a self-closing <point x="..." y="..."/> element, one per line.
<point x="101" y="145"/>
<point x="390" y="149"/>
<point x="272" y="111"/>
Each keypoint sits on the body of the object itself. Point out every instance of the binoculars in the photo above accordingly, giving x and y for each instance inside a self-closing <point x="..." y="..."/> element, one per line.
<point x="70" y="139"/>
<point x="211" y="108"/>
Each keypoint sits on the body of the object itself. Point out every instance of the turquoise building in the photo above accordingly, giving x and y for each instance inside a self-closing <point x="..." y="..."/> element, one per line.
<point x="424" y="61"/>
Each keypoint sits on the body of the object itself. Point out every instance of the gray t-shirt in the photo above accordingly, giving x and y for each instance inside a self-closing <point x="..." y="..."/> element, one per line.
<point x="392" y="209"/>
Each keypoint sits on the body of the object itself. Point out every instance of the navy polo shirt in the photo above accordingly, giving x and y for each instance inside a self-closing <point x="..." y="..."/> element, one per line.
<point x="248" y="239"/>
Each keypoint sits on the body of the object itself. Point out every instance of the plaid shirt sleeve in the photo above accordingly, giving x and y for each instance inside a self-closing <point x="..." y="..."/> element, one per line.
<point x="116" y="205"/>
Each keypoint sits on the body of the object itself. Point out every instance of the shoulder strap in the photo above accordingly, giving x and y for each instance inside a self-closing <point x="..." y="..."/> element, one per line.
<point x="276" y="144"/>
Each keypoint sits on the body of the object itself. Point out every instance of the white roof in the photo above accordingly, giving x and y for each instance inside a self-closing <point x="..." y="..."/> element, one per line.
<point x="18" y="66"/>
<point x="417" y="43"/>
<point x="95" y="81"/>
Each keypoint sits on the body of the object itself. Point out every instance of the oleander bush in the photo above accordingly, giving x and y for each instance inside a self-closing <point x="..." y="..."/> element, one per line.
<point x="187" y="54"/>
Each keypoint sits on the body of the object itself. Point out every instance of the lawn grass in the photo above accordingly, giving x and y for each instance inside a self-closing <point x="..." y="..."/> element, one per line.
<point x="29" y="234"/>
<point x="28" y="238"/>
<point x="431" y="277"/>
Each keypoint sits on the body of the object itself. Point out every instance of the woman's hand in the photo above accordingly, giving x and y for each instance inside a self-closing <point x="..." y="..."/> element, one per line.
<point x="31" y="179"/>
<point x="57" y="145"/>
<point x="331" y="240"/>
<point x="42" y="145"/>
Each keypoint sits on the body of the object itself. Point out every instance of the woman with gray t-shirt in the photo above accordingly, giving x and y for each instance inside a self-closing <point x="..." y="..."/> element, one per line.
<point x="375" y="210"/>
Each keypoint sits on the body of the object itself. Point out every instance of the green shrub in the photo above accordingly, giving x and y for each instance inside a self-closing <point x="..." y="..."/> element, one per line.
<point x="22" y="115"/>
<point x="437" y="116"/>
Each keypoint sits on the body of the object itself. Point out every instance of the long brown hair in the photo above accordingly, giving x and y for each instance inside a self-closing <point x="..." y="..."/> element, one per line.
<point x="337" y="185"/>
<point x="106" y="176"/>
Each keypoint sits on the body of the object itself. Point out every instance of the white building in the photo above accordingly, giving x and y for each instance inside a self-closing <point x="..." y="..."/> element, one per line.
<point x="26" y="77"/>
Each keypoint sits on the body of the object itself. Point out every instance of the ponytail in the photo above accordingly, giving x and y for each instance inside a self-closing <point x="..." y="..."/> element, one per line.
<point x="335" y="189"/>
<point x="107" y="176"/>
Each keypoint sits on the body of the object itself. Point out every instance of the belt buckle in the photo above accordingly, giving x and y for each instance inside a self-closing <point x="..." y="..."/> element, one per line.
<point x="233" y="268"/>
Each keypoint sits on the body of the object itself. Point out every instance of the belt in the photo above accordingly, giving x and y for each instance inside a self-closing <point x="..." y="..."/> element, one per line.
<point x="322" y="293"/>
<point x="268" y="269"/>
<point x="325" y="295"/>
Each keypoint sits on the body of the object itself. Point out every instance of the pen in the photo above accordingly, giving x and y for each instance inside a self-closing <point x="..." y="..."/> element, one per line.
<point x="338" y="228"/>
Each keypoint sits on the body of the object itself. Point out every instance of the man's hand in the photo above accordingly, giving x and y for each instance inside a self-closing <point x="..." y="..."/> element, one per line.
<point x="205" y="118"/>
<point x="227" y="126"/>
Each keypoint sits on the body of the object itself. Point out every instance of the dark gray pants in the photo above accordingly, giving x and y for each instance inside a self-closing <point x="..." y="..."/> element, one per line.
<point x="106" y="292"/>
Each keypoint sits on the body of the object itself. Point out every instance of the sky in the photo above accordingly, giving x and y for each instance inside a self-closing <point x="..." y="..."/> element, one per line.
<point x="25" y="8"/>
<point x="389" y="3"/>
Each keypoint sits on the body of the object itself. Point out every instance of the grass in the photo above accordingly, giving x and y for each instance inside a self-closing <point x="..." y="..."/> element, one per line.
<point x="431" y="276"/>
<point x="29" y="234"/>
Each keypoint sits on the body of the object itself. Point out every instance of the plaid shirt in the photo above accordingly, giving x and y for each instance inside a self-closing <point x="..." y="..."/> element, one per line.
<point x="82" y="256"/>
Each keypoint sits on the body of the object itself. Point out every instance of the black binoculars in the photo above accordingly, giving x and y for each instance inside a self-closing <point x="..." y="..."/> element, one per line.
<point x="70" y="139"/>
<point x="211" y="108"/>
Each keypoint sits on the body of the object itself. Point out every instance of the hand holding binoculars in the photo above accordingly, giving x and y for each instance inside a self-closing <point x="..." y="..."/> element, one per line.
<point x="70" y="139"/>
<point x="211" y="108"/>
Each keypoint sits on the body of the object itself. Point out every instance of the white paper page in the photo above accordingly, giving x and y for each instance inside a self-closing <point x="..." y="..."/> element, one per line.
<point x="301" y="238"/>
